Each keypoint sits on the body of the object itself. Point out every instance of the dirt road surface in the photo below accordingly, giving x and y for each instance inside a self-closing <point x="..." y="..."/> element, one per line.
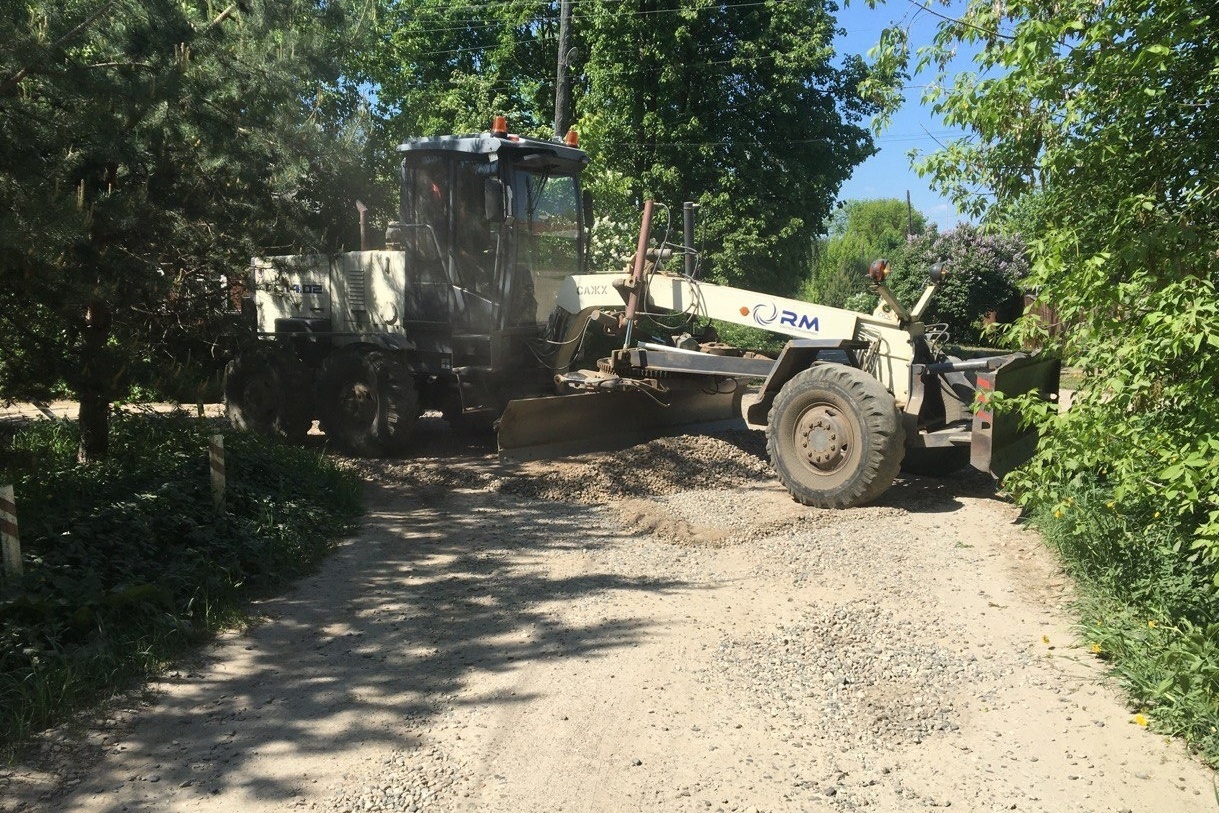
<point x="662" y="630"/>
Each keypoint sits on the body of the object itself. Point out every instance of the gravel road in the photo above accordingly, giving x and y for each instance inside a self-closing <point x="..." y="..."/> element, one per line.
<point x="663" y="630"/>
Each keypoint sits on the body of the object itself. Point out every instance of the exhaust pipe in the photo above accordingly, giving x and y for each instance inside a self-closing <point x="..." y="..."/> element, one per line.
<point x="641" y="250"/>
<point x="364" y="239"/>
<point x="687" y="222"/>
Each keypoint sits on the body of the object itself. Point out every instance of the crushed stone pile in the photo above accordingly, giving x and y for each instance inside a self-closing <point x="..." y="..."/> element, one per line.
<point x="661" y="467"/>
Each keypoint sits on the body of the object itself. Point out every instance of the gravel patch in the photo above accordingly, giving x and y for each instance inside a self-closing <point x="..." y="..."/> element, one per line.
<point x="423" y="779"/>
<point x="873" y="678"/>
<point x="666" y="466"/>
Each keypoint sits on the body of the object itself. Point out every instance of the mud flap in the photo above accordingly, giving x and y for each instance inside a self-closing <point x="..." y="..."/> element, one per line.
<point x="539" y="428"/>
<point x="999" y="443"/>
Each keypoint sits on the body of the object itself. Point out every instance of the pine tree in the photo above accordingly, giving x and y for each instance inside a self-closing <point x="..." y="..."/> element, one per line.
<point x="147" y="149"/>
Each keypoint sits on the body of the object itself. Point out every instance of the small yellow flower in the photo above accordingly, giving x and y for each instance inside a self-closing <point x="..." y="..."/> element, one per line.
<point x="1057" y="514"/>
<point x="1109" y="504"/>
<point x="1139" y="720"/>
<point x="1096" y="650"/>
<point x="1152" y="624"/>
<point x="1157" y="514"/>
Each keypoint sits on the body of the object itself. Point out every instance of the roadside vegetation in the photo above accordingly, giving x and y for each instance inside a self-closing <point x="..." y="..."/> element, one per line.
<point x="127" y="563"/>
<point x="1091" y="128"/>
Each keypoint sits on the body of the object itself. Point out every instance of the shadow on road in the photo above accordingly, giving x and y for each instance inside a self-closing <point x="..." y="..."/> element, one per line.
<point x="371" y="650"/>
<point x="937" y="495"/>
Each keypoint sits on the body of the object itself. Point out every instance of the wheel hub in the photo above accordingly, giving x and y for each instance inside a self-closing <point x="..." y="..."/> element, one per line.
<point x="258" y="399"/>
<point x="824" y="438"/>
<point x="358" y="403"/>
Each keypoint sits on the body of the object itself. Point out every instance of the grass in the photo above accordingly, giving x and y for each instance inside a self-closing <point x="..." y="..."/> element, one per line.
<point x="1148" y="606"/>
<point x="127" y="564"/>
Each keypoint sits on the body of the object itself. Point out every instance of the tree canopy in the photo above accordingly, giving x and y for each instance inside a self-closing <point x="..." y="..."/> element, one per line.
<point x="742" y="107"/>
<point x="1098" y="123"/>
<point x="147" y="149"/>
<point x="439" y="67"/>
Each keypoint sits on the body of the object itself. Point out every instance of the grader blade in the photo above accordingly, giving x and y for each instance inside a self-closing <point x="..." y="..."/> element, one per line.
<point x="999" y="443"/>
<point x="562" y="425"/>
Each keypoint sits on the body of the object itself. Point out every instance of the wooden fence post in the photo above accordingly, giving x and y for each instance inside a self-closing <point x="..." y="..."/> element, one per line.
<point x="216" y="456"/>
<point x="9" y="537"/>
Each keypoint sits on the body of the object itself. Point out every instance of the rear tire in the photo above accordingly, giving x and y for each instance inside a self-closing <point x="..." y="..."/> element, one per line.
<point x="368" y="402"/>
<point x="268" y="392"/>
<point x="835" y="437"/>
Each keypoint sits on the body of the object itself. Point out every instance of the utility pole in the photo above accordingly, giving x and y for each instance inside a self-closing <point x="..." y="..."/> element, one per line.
<point x="562" y="85"/>
<point x="909" y="216"/>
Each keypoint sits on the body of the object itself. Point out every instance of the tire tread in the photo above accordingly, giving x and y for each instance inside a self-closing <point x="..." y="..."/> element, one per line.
<point x="884" y="435"/>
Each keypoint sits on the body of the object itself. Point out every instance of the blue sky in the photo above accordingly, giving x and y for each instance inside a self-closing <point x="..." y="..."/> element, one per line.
<point x="888" y="174"/>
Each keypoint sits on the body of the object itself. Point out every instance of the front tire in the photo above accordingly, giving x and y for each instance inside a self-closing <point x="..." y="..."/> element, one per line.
<point x="268" y="392"/>
<point x="835" y="437"/>
<point x="368" y="402"/>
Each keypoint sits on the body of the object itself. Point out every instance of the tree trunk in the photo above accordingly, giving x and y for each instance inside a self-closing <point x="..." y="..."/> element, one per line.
<point x="95" y="384"/>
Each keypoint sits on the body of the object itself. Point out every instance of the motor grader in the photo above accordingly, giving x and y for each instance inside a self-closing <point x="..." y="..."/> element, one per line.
<point x="480" y="307"/>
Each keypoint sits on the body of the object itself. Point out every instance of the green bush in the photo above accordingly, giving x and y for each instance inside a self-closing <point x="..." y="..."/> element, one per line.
<point x="1114" y="183"/>
<point x="856" y="234"/>
<point x="984" y="274"/>
<point x="1143" y="433"/>
<point x="127" y="562"/>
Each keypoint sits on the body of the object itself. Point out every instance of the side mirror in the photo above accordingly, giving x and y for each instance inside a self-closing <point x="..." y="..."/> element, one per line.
<point x="493" y="200"/>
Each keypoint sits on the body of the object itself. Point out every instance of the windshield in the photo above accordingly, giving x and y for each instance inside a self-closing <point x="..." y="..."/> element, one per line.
<point x="549" y="228"/>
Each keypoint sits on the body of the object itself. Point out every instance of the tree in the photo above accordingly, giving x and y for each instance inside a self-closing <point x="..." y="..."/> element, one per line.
<point x="739" y="107"/>
<point x="147" y="150"/>
<point x="1106" y="112"/>
<point x="984" y="276"/>
<point x="440" y="67"/>
<point x="858" y="233"/>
